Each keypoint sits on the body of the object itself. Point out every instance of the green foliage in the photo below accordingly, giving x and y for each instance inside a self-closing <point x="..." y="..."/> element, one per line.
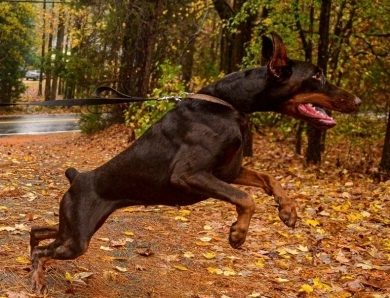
<point x="142" y="116"/>
<point x="15" y="41"/>
<point x="93" y="121"/>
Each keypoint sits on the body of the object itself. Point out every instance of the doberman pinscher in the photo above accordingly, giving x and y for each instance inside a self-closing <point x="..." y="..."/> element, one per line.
<point x="193" y="153"/>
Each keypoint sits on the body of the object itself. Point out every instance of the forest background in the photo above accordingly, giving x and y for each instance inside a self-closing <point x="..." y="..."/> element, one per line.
<point x="340" y="247"/>
<point x="164" y="47"/>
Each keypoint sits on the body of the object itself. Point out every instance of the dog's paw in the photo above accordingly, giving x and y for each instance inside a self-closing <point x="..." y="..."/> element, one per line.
<point x="237" y="236"/>
<point x="288" y="214"/>
<point x="37" y="284"/>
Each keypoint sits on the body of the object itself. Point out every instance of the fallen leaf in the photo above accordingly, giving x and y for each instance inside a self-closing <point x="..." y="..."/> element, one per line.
<point x="140" y="268"/>
<point x="209" y="255"/>
<point x="23" y="260"/>
<point x="188" y="255"/>
<point x="229" y="272"/>
<point x="180" y="267"/>
<point x="306" y="288"/>
<point x="312" y="222"/>
<point x="82" y="275"/>
<point x="120" y="242"/>
<point x="207" y="227"/>
<point x="319" y="285"/>
<point x="121" y="269"/>
<point x="281" y="280"/>
<point x="145" y="252"/>
<point x="260" y="263"/>
<point x="68" y="276"/>
<point x="205" y="239"/>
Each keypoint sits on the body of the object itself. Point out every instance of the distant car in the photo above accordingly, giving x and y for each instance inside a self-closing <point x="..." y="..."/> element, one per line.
<point x="34" y="75"/>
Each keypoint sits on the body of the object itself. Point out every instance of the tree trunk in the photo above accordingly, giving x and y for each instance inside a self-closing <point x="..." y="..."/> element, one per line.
<point x="315" y="139"/>
<point x="59" y="46"/>
<point x="308" y="49"/>
<point x="48" y="61"/>
<point x="187" y="62"/>
<point x="136" y="64"/>
<point x="225" y="12"/>
<point x="385" y="160"/>
<point x="233" y="45"/>
<point x="42" y="47"/>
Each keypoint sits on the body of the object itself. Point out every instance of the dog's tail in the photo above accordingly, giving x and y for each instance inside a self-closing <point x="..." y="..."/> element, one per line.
<point x="71" y="173"/>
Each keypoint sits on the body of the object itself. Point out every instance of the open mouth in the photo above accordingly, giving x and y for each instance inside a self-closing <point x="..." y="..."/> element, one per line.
<point x="316" y="116"/>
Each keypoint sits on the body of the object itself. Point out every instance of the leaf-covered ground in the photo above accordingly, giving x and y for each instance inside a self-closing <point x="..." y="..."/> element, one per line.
<point x="339" y="248"/>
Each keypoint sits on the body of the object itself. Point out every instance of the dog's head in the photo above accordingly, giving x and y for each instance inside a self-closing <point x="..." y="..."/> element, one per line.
<point x="309" y="91"/>
<point x="291" y="87"/>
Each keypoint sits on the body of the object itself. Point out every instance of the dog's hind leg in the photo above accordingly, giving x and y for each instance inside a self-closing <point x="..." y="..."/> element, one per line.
<point x="42" y="233"/>
<point x="38" y="234"/>
<point x="271" y="186"/>
<point x="81" y="215"/>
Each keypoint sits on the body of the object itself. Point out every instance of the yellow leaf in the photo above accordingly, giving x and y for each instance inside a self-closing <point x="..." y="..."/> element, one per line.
<point x="317" y="283"/>
<point x="306" y="288"/>
<point x="229" y="272"/>
<point x="22" y="260"/>
<point x="342" y="208"/>
<point x="260" y="263"/>
<point x="209" y="255"/>
<point x="282" y="264"/>
<point x="8" y="229"/>
<point x="3" y="208"/>
<point x="185" y="212"/>
<point x="214" y="270"/>
<point x="321" y="231"/>
<point x="121" y="269"/>
<point x="127" y="233"/>
<point x="283" y="234"/>
<point x="312" y="222"/>
<point x="182" y="218"/>
<point x="281" y="280"/>
<point x="188" y="254"/>
<point x="180" y="267"/>
<point x="82" y="268"/>
<point x="205" y="239"/>
<point x="303" y="248"/>
<point x="354" y="216"/>
<point x="292" y="251"/>
<point x="207" y="227"/>
<point x="68" y="276"/>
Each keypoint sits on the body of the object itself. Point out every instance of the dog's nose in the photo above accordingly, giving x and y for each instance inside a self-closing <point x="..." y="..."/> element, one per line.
<point x="358" y="101"/>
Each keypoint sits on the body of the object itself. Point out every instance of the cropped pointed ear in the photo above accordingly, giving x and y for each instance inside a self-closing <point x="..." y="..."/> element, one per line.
<point x="275" y="55"/>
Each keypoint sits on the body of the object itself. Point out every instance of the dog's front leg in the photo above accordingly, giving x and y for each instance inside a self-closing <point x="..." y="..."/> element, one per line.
<point x="207" y="185"/>
<point x="287" y="210"/>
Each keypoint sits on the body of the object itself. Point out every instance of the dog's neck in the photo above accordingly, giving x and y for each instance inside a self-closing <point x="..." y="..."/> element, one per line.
<point x="211" y="99"/>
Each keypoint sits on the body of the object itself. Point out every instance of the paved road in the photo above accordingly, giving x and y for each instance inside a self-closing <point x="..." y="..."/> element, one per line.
<point x="38" y="124"/>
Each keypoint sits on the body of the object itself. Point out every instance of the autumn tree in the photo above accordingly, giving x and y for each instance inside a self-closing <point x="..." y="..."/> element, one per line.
<point x="16" y="39"/>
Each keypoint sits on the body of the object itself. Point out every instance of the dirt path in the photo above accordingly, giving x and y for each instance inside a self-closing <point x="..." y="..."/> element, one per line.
<point x="340" y="247"/>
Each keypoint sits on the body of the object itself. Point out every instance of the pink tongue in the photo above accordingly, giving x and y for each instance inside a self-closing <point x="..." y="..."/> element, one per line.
<point x="317" y="116"/>
<point x="315" y="112"/>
